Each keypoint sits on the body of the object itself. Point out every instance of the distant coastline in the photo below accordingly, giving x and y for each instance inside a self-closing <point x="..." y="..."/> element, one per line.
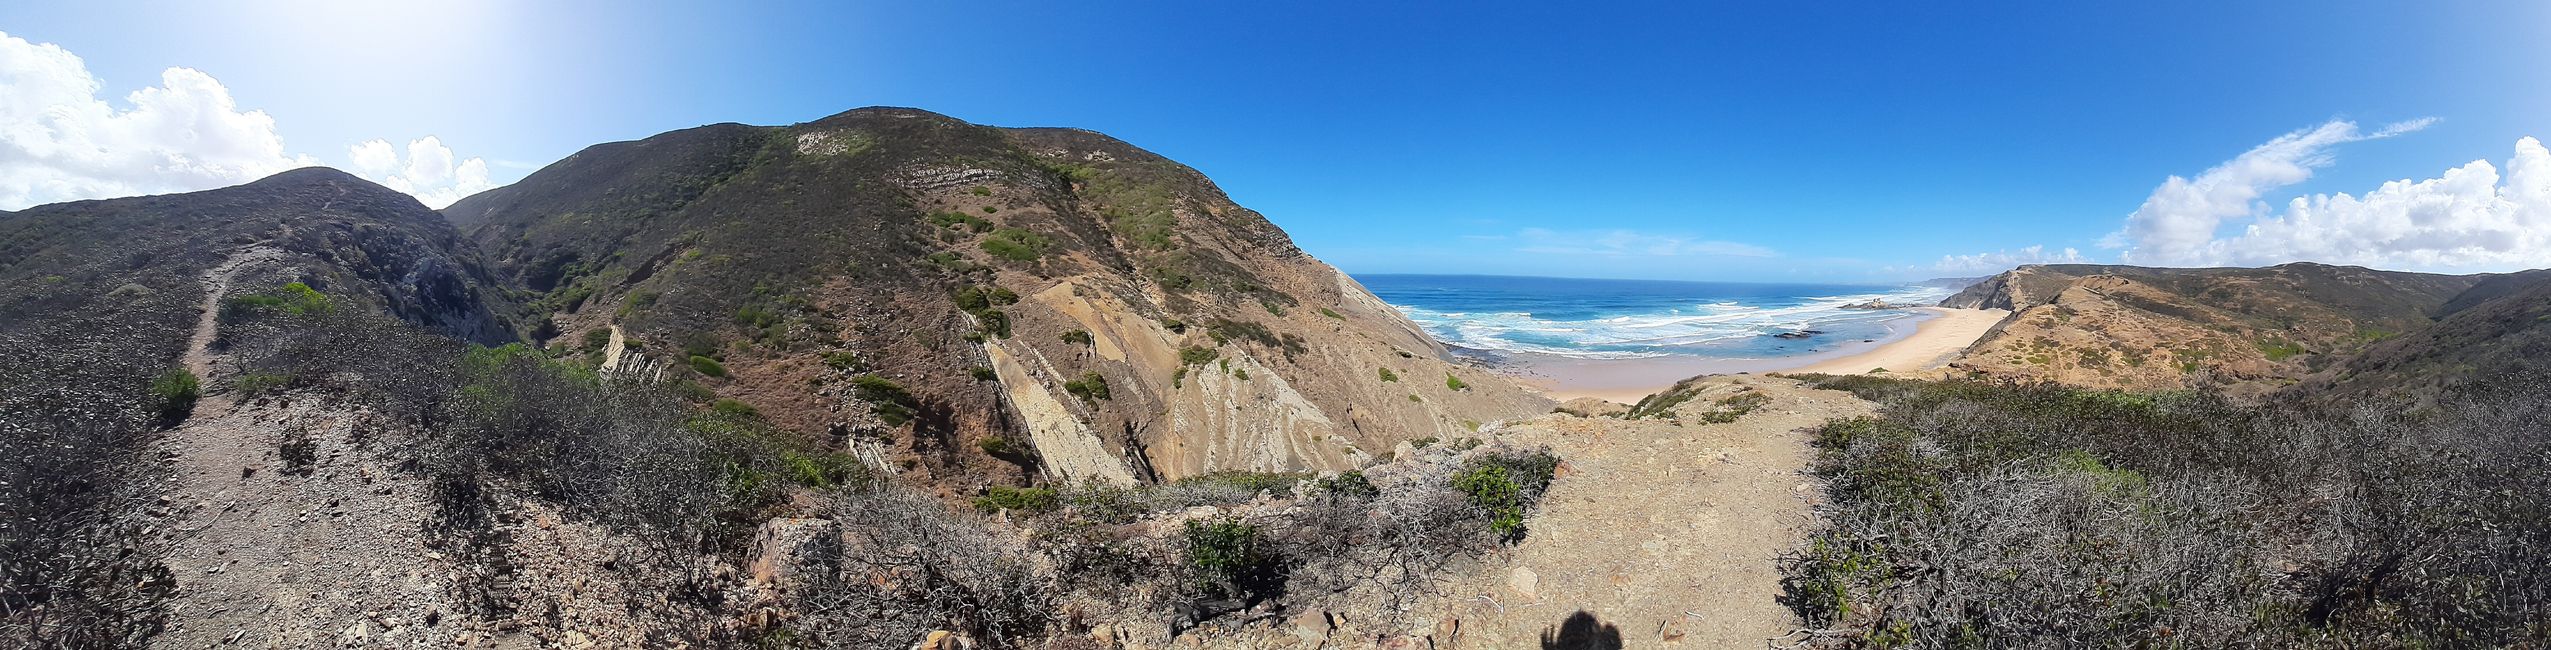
<point x="1623" y="339"/>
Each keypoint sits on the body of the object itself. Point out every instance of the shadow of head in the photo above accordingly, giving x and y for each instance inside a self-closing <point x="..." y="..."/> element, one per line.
<point x="1582" y="631"/>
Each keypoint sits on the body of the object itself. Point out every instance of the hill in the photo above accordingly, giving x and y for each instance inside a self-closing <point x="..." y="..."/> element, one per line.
<point x="2139" y="327"/>
<point x="2494" y="337"/>
<point x="965" y="301"/>
<point x="105" y="313"/>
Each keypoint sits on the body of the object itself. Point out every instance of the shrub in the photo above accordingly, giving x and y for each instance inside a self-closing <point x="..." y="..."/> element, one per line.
<point x="707" y="366"/>
<point x="1502" y="487"/>
<point x="1026" y="500"/>
<point x="1080" y="337"/>
<point x="295" y="299"/>
<point x="1324" y="311"/>
<point x="1387" y="375"/>
<point x="824" y="470"/>
<point x="596" y="339"/>
<point x="844" y="360"/>
<point x="1197" y="355"/>
<point x="174" y="393"/>
<point x="1350" y="484"/>
<point x="994" y="323"/>
<point x="731" y="408"/>
<point x="1227" y="561"/>
<point x="1016" y="245"/>
<point x="1979" y="514"/>
<point x="2280" y="349"/>
<point x="887" y="399"/>
<point x="999" y="446"/>
<point x="981" y="373"/>
<point x="252" y="384"/>
<point x="1090" y="387"/>
<point x="960" y="220"/>
<point x="1454" y="383"/>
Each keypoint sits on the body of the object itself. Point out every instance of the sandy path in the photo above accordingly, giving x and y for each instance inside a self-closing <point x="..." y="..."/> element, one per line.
<point x="1665" y="534"/>
<point x="267" y="555"/>
<point x="1934" y="342"/>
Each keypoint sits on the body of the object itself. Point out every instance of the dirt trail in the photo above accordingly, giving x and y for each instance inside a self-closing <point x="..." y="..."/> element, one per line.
<point x="323" y="551"/>
<point x="1664" y="534"/>
<point x="217" y="282"/>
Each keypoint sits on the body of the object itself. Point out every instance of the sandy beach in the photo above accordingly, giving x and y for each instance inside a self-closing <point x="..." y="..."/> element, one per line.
<point x="1932" y="338"/>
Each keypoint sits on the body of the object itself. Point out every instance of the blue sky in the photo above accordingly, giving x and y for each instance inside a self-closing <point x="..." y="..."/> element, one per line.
<point x="1729" y="141"/>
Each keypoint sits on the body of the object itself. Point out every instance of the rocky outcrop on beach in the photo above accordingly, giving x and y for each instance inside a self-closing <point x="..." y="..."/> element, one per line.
<point x="1877" y="304"/>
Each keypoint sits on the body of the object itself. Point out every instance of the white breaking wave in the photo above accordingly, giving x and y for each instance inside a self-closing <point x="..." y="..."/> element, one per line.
<point x="1656" y="334"/>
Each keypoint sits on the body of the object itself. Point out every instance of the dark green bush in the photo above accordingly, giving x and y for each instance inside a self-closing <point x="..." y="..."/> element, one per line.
<point x="960" y="220"/>
<point x="1016" y="245"/>
<point x="887" y="399"/>
<point x="1503" y="487"/>
<point x="1079" y="337"/>
<point x="252" y="384"/>
<point x="1090" y="387"/>
<point x="1025" y="500"/>
<point x="1227" y="560"/>
<point x="1197" y="356"/>
<point x="1387" y="375"/>
<point x="1454" y="383"/>
<point x="707" y="366"/>
<point x="1350" y="484"/>
<point x="174" y="393"/>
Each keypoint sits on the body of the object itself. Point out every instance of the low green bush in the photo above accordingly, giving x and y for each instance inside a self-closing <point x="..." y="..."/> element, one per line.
<point x="1503" y="487"/>
<point x="1016" y="245"/>
<point x="252" y="384"/>
<point x="1090" y="387"/>
<point x="886" y="398"/>
<point x="707" y="366"/>
<point x="1197" y="355"/>
<point x="1227" y="560"/>
<point x="174" y="393"/>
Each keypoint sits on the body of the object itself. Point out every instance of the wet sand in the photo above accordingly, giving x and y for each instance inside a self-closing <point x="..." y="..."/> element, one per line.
<point x="1927" y="340"/>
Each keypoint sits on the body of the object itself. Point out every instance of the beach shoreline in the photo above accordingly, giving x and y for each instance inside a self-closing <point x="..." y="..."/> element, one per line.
<point x="1924" y="341"/>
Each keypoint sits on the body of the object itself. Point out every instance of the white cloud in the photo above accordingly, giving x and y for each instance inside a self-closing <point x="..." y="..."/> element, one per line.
<point x="61" y="140"/>
<point x="1631" y="243"/>
<point x="2004" y="260"/>
<point x="429" y="172"/>
<point x="2470" y="218"/>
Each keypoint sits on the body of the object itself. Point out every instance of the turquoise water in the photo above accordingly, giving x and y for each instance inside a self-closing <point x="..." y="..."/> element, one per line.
<point x="1631" y="319"/>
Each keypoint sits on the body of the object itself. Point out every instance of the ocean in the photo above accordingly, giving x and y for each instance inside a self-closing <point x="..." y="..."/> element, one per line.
<point x="1639" y="319"/>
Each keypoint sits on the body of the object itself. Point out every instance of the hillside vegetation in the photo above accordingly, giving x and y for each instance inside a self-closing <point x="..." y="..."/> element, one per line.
<point x="2152" y="328"/>
<point x="1108" y="310"/>
<point x="97" y="299"/>
<point x="1973" y="513"/>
